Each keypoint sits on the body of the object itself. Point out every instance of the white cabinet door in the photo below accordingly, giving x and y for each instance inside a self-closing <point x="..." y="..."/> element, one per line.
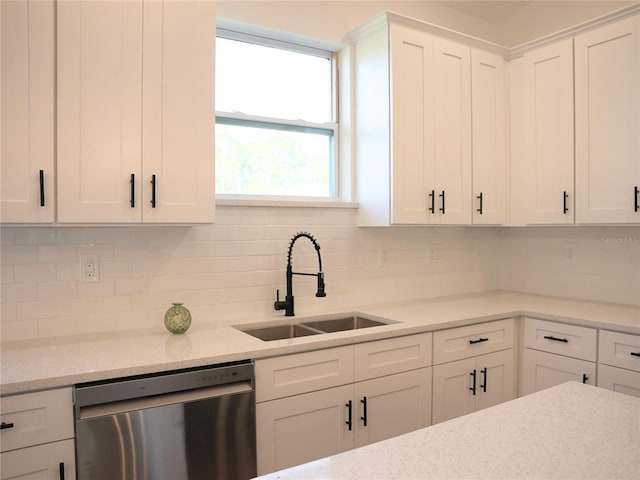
<point x="607" y="123"/>
<point x="619" y="380"/>
<point x="542" y="370"/>
<point x="51" y="461"/>
<point x="412" y="126"/>
<point x="489" y="138"/>
<point x="495" y="380"/>
<point x="472" y="384"/>
<point x="389" y="406"/>
<point x="178" y="112"/>
<point x="99" y="111"/>
<point x="452" y="131"/>
<point x="547" y="133"/>
<point x="302" y="428"/>
<point x="452" y="390"/>
<point x="27" y="41"/>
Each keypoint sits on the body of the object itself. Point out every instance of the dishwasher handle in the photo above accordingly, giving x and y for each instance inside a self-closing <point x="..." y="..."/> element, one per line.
<point x="114" y="408"/>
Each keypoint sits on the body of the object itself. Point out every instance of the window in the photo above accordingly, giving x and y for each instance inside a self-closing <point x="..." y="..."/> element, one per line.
<point x="275" y="118"/>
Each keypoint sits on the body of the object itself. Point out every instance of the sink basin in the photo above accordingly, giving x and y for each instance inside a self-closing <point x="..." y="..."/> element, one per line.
<point x="319" y="325"/>
<point x="280" y="332"/>
<point x="344" y="323"/>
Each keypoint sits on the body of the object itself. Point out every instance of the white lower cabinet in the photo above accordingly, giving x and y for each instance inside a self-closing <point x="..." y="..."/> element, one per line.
<point x="315" y="404"/>
<point x="555" y="353"/>
<point x="472" y="384"/>
<point x="542" y="370"/>
<point x="619" y="362"/>
<point x="37" y="436"/>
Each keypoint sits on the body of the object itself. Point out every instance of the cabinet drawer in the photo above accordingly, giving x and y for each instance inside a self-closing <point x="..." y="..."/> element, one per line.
<point x="394" y="355"/>
<point x="620" y="350"/>
<point x="619" y="380"/>
<point x="37" y="418"/>
<point x="560" y="338"/>
<point x="41" y="462"/>
<point x="465" y="342"/>
<point x="303" y="372"/>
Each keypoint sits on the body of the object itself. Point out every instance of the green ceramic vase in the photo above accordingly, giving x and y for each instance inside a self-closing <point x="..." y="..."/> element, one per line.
<point x="177" y="319"/>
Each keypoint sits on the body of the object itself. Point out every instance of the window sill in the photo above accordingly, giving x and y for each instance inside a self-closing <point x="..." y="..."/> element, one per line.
<point x="289" y="203"/>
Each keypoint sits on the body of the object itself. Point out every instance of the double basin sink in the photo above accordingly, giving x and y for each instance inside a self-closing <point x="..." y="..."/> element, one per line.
<point x="314" y="327"/>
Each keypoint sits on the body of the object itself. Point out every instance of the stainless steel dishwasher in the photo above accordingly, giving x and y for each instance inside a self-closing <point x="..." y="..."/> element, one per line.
<point x="179" y="425"/>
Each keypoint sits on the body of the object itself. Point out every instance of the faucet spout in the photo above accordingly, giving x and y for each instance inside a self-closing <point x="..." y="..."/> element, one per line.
<point x="288" y="304"/>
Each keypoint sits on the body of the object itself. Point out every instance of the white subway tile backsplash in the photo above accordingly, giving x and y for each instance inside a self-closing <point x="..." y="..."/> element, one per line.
<point x="229" y="272"/>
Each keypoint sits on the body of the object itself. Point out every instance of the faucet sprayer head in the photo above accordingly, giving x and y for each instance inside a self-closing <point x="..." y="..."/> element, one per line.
<point x="321" y="292"/>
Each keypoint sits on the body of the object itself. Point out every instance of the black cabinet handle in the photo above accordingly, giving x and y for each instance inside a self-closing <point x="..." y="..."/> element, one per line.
<point x="432" y="196"/>
<point x="349" y="406"/>
<point x="584" y="378"/>
<point x="555" y="339"/>
<point x="364" y="410"/>
<point x="442" y="197"/>
<point x="565" y="196"/>
<point x="61" y="470"/>
<point x="636" y="205"/>
<point x="42" y="188"/>
<point x="480" y="340"/>
<point x="153" y="191"/>
<point x="635" y="354"/>
<point x="132" y="181"/>
<point x="473" y="388"/>
<point x="484" y="380"/>
<point x="479" y="197"/>
<point x="5" y="425"/>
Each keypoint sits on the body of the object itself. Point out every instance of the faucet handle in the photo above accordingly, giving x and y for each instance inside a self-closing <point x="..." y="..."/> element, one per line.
<point x="278" y="305"/>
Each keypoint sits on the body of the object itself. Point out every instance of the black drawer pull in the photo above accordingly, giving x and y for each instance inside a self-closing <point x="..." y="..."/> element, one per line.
<point x="132" y="181"/>
<point x="565" y="196"/>
<point x="364" y="411"/>
<point x="42" y="188"/>
<point x="480" y="340"/>
<point x="61" y="470"/>
<point x="442" y="197"/>
<point x="584" y="378"/>
<point x="153" y="191"/>
<point x="6" y="425"/>
<point x="556" y="339"/>
<point x="432" y="196"/>
<point x="635" y="354"/>
<point x="484" y="380"/>
<point x="473" y="388"/>
<point x="636" y="205"/>
<point x="349" y="406"/>
<point x="479" y="197"/>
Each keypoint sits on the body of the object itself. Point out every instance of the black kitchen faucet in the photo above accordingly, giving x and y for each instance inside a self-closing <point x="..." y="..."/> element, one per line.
<point x="287" y="304"/>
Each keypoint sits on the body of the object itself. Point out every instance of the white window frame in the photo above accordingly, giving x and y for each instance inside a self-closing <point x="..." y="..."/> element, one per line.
<point x="331" y="129"/>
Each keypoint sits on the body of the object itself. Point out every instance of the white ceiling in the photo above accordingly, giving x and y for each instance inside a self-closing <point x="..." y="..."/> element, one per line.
<point x="490" y="11"/>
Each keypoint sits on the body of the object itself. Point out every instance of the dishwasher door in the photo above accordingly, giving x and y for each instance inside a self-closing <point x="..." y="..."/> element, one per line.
<point x="208" y="433"/>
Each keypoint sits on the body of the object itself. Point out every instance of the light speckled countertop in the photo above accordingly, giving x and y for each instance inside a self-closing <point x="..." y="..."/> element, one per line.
<point x="41" y="364"/>
<point x="570" y="431"/>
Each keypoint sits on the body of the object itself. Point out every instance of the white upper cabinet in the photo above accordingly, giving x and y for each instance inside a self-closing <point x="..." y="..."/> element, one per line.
<point x="489" y="158"/>
<point x="452" y="122"/>
<point x="135" y="112"/>
<point x="27" y="172"/>
<point x="607" y="69"/>
<point x="547" y="133"/>
<point x="99" y="111"/>
<point x="413" y="136"/>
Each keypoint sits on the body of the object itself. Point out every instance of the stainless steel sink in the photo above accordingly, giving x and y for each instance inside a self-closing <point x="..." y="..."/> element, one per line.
<point x="327" y="324"/>
<point x="279" y="332"/>
<point x="344" y="323"/>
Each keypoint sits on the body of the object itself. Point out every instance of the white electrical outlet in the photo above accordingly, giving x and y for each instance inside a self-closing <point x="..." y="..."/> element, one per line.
<point x="89" y="268"/>
<point x="571" y="254"/>
<point x="435" y="253"/>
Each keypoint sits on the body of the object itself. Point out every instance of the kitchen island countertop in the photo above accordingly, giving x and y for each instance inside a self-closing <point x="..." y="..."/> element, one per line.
<point x="570" y="431"/>
<point x="63" y="361"/>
